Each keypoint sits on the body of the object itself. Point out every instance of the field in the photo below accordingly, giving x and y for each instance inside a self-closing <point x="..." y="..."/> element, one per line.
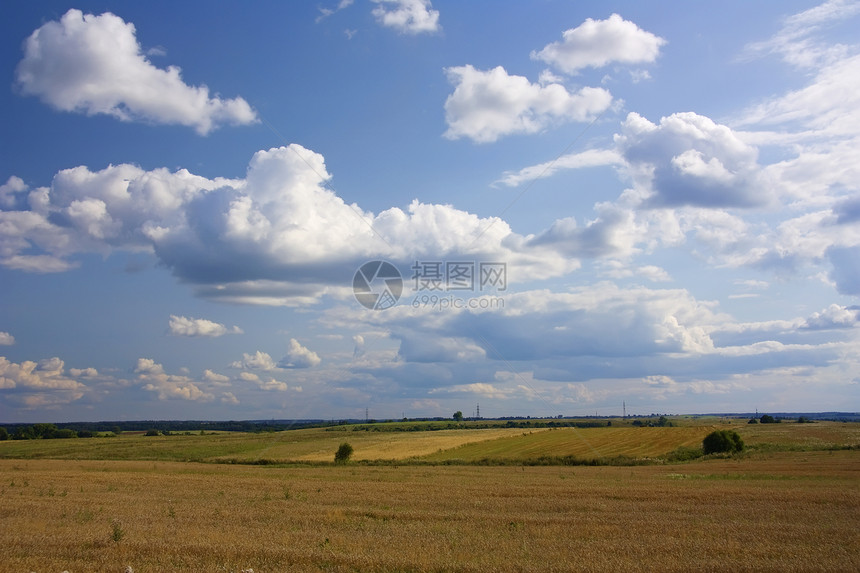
<point x="792" y="503"/>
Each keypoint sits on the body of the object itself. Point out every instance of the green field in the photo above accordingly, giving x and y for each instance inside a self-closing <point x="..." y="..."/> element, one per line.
<point x="791" y="502"/>
<point x="501" y="444"/>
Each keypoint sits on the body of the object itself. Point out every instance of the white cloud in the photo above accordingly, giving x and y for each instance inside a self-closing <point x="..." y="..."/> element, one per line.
<point x="834" y="316"/>
<point x="596" y="43"/>
<point x="795" y="41"/>
<point x="257" y="361"/>
<point x="44" y="375"/>
<point x="273" y="385"/>
<point x="229" y="398"/>
<point x="83" y="372"/>
<point x="618" y="270"/>
<point x="578" y="160"/>
<point x="299" y="356"/>
<point x="152" y="378"/>
<point x="277" y="237"/>
<point x="486" y="105"/>
<point x="182" y="326"/>
<point x="95" y="65"/>
<point x="326" y="12"/>
<point x="6" y="339"/>
<point x="215" y="378"/>
<point x="407" y="16"/>
<point x="688" y="159"/>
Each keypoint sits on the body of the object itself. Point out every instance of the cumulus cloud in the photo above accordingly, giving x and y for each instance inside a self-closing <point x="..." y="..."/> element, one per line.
<point x="688" y="159"/>
<point x="6" y="339"/>
<point x="215" y="378"/>
<point x="46" y="374"/>
<point x="95" y="65"/>
<point x="299" y="356"/>
<point x="407" y="16"/>
<point x="197" y="327"/>
<point x="487" y="105"/>
<point x="596" y="43"/>
<point x="278" y="236"/>
<point x="257" y="361"/>
<point x="834" y="316"/>
<point x="152" y="378"/>
<point x="43" y="384"/>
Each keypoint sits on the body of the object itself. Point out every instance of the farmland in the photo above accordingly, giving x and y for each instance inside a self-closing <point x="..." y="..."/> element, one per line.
<point x="791" y="503"/>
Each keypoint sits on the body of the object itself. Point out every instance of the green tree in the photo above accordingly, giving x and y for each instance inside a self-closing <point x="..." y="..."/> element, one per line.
<point x="4" y="434"/>
<point x="722" y="441"/>
<point x="44" y="430"/>
<point x="768" y="419"/>
<point x="152" y="432"/>
<point x="458" y="416"/>
<point x="343" y="453"/>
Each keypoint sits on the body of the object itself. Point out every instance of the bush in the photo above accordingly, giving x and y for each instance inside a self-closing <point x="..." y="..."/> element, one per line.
<point x="684" y="454"/>
<point x="753" y="421"/>
<point x="768" y="419"/>
<point x="4" y="434"/>
<point x="152" y="432"/>
<point x="722" y="441"/>
<point x="343" y="453"/>
<point x="64" y="433"/>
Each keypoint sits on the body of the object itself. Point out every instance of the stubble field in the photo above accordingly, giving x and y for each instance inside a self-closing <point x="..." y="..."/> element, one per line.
<point x="772" y="509"/>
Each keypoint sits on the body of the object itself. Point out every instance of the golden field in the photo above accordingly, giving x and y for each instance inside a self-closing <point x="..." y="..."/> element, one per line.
<point x="772" y="509"/>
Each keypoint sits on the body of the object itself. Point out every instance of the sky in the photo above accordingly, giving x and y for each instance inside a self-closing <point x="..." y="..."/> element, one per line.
<point x="398" y="208"/>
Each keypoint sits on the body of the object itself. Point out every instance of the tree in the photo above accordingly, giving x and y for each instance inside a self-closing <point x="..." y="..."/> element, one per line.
<point x="152" y="432"/>
<point x="458" y="416"/>
<point x="722" y="441"/>
<point x="768" y="419"/>
<point x="753" y="421"/>
<point x="4" y="434"/>
<point x="343" y="453"/>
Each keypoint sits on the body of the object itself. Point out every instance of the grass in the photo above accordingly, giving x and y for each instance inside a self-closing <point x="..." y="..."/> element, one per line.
<point x="304" y="445"/>
<point x="792" y="511"/>
<point x="497" y="444"/>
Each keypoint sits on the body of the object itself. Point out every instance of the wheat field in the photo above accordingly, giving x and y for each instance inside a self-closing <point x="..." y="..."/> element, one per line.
<point x="796" y="512"/>
<point x="790" y="503"/>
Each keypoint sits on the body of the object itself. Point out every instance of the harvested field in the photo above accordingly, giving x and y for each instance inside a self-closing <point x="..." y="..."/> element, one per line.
<point x="793" y="512"/>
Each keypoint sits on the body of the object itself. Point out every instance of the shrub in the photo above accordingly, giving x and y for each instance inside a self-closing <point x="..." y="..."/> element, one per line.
<point x="4" y="434"/>
<point x="753" y="421"/>
<point x="684" y="454"/>
<point x="64" y="433"/>
<point x="722" y="441"/>
<point x="768" y="419"/>
<point x="152" y="432"/>
<point x="343" y="453"/>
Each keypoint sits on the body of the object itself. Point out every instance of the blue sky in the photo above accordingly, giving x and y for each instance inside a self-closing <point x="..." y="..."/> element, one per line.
<point x="186" y="195"/>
